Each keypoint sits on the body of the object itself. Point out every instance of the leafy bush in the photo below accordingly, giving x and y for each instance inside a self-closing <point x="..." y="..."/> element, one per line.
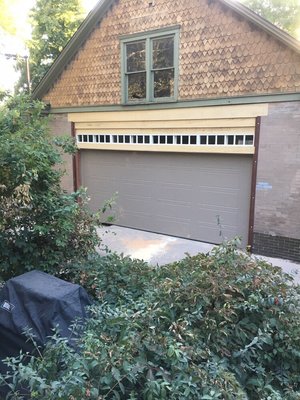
<point x="112" y="279"/>
<point x="40" y="225"/>
<point x="219" y="326"/>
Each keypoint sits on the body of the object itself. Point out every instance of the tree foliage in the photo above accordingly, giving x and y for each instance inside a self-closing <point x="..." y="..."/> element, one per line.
<point x="53" y="24"/>
<point x="7" y="22"/>
<point x="283" y="13"/>
<point x="40" y="225"/>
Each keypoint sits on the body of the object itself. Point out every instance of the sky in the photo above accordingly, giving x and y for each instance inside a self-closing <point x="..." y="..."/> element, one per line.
<point x="15" y="44"/>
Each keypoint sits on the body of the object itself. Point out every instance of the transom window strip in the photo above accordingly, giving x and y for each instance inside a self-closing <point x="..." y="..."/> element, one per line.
<point x="166" y="139"/>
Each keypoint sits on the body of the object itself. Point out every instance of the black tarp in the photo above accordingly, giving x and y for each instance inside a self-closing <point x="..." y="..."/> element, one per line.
<point x="39" y="302"/>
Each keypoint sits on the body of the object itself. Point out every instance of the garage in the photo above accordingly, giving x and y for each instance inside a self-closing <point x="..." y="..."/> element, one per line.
<point x="177" y="194"/>
<point x="185" y="172"/>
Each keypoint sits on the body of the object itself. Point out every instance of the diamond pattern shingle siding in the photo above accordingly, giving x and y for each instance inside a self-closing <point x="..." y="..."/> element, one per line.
<point x="221" y="54"/>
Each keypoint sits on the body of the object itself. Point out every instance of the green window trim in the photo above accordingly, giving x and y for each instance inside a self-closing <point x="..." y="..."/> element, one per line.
<point x="147" y="70"/>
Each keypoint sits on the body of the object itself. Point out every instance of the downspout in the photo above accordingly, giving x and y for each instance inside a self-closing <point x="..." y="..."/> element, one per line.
<point x="75" y="162"/>
<point x="253" y="185"/>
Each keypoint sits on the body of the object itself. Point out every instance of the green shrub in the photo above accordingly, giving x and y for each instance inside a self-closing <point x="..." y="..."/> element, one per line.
<point x="112" y="279"/>
<point x="41" y="226"/>
<point x="218" y="326"/>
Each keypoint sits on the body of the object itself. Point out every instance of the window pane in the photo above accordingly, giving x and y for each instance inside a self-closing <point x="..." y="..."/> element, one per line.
<point x="203" y="139"/>
<point x="220" y="140"/>
<point x="193" y="140"/>
<point x="239" y="140"/>
<point x="230" y="139"/>
<point x="164" y="83"/>
<point x="137" y="86"/>
<point x="163" y="53"/>
<point x="249" y="139"/>
<point x="135" y="56"/>
<point x="211" y="140"/>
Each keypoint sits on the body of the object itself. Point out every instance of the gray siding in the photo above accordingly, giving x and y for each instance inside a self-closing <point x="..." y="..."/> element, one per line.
<point x="60" y="126"/>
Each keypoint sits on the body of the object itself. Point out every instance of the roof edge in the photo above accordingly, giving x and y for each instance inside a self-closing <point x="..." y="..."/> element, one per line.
<point x="267" y="26"/>
<point x="201" y="102"/>
<point x="71" y="48"/>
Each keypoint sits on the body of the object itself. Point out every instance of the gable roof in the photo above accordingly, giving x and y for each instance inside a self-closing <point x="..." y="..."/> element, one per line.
<point x="98" y="13"/>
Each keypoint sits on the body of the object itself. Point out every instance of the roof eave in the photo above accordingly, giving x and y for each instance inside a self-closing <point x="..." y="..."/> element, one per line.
<point x="267" y="26"/>
<point x="72" y="47"/>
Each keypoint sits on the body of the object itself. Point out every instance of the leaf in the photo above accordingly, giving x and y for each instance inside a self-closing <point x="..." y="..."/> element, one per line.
<point x="121" y="386"/>
<point x="117" y="395"/>
<point x="116" y="373"/>
<point x="94" y="393"/>
<point x="150" y="375"/>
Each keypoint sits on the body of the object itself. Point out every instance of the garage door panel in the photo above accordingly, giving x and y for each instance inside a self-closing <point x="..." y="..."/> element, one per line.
<point x="220" y="203"/>
<point x="174" y="209"/>
<point x="176" y="194"/>
<point x="145" y="203"/>
<point x="212" y="233"/>
<point x="139" y="188"/>
<point x="225" y="217"/>
<point x="218" y="180"/>
<point x="161" y="223"/>
<point x="181" y="194"/>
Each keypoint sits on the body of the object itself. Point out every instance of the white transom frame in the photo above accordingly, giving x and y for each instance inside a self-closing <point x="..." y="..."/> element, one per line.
<point x="162" y="140"/>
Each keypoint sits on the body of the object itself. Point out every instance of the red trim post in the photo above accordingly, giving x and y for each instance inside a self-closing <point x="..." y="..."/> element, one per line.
<point x="253" y="184"/>
<point x="75" y="162"/>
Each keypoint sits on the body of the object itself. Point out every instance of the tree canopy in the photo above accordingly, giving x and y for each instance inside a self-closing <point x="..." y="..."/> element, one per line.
<point x="7" y="22"/>
<point x="283" y="13"/>
<point x="53" y="24"/>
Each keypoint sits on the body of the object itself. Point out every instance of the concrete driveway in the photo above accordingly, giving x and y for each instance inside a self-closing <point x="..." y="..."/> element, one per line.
<point x="162" y="249"/>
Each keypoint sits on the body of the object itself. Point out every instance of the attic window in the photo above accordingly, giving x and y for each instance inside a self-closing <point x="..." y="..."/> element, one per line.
<point x="150" y="66"/>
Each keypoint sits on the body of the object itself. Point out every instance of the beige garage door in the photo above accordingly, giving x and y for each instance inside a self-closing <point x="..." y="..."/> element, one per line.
<point x="173" y="193"/>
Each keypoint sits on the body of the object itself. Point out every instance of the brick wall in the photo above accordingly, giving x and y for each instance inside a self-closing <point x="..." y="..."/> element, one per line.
<point x="277" y="246"/>
<point x="277" y="211"/>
